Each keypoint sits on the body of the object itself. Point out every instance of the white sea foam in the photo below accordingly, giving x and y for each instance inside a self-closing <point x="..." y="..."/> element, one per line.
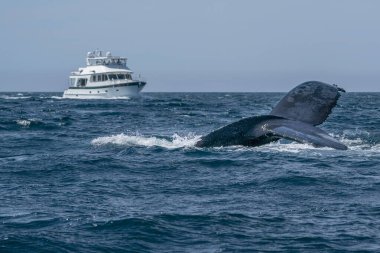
<point x="358" y="145"/>
<point x="27" y="122"/>
<point x="293" y="147"/>
<point x="174" y="142"/>
<point x="376" y="148"/>
<point x="24" y="122"/>
<point x="355" y="145"/>
<point x="14" y="97"/>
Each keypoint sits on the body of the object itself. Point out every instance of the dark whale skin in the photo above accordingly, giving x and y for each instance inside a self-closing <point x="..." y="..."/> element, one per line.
<point x="244" y="132"/>
<point x="310" y="102"/>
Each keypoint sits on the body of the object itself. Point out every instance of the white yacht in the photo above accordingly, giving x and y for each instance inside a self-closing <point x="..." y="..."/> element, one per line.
<point x="105" y="76"/>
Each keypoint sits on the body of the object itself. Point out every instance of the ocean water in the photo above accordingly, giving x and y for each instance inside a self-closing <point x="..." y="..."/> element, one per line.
<point x="124" y="176"/>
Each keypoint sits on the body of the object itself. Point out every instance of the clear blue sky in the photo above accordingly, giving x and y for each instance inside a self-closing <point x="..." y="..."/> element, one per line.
<point x="194" y="45"/>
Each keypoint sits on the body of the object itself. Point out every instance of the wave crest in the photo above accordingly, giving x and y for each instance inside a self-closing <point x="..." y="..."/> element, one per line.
<point x="25" y="122"/>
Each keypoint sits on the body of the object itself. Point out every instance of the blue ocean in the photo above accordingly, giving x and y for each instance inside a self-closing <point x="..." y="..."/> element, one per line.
<point x="124" y="176"/>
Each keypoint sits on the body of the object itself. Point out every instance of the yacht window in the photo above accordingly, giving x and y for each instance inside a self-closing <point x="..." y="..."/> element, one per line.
<point x="82" y="82"/>
<point x="112" y="76"/>
<point x="129" y="76"/>
<point x="93" y="78"/>
<point x="120" y="76"/>
<point x="99" y="78"/>
<point x="72" y="81"/>
<point x="105" y="78"/>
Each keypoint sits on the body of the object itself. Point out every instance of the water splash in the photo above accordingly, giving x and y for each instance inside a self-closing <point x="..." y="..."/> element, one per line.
<point x="355" y="145"/>
<point x="292" y="147"/>
<point x="176" y="141"/>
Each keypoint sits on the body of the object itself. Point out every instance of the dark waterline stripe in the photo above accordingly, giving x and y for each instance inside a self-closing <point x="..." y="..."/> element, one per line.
<point x="112" y="86"/>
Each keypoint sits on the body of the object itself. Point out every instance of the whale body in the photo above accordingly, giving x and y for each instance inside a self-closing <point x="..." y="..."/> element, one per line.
<point x="295" y="117"/>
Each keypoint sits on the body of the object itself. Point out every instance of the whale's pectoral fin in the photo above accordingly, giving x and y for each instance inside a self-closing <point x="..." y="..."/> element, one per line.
<point x="304" y="133"/>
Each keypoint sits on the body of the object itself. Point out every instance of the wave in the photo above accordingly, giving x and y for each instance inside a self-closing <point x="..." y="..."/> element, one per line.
<point x="176" y="141"/>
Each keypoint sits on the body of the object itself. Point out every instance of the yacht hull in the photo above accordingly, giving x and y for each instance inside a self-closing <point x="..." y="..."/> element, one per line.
<point x="130" y="89"/>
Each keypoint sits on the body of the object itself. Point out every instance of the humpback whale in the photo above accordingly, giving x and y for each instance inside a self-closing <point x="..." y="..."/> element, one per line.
<point x="295" y="117"/>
